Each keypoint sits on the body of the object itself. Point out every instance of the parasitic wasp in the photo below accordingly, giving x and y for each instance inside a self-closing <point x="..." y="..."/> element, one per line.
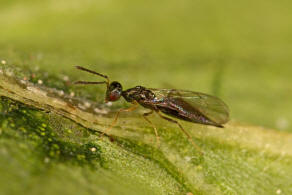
<point x="190" y="106"/>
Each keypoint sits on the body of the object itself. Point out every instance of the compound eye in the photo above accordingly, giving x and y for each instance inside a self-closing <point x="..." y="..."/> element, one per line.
<point x="114" y="96"/>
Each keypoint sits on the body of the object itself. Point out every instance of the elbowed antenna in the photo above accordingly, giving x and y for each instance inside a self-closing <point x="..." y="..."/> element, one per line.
<point x="89" y="82"/>
<point x="92" y="72"/>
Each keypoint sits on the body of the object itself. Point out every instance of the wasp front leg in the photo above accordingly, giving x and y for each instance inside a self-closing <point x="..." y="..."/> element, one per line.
<point x="132" y="108"/>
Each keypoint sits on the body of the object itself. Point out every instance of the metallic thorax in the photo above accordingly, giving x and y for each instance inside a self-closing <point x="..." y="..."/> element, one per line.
<point x="140" y="94"/>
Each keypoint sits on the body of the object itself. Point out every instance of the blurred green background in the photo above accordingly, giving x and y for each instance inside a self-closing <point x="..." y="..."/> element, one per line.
<point x="237" y="50"/>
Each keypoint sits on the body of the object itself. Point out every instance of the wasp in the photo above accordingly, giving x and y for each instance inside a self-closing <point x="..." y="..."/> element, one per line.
<point x="186" y="105"/>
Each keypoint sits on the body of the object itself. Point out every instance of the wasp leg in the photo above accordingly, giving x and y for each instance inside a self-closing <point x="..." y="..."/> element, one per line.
<point x="117" y="116"/>
<point x="153" y="126"/>
<point x="183" y="130"/>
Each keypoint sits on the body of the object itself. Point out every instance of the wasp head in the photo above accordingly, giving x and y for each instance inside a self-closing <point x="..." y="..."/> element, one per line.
<point x="114" y="92"/>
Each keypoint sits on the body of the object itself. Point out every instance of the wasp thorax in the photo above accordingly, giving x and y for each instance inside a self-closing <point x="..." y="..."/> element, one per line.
<point x="114" y="92"/>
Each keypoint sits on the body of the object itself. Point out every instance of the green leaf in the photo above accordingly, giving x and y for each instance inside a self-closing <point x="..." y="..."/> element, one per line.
<point x="53" y="140"/>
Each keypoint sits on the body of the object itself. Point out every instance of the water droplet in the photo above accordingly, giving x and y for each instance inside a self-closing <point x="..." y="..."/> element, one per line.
<point x="47" y="160"/>
<point x="40" y="82"/>
<point x="82" y="107"/>
<point x="100" y="111"/>
<point x="65" y="78"/>
<point x="87" y="104"/>
<point x="61" y="93"/>
<point x="187" y="158"/>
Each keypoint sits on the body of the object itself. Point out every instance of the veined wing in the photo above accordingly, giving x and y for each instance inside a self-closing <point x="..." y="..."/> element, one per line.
<point x="209" y="106"/>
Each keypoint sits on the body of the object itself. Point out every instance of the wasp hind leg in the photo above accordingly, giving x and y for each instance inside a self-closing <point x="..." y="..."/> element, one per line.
<point x="153" y="126"/>
<point x="183" y="130"/>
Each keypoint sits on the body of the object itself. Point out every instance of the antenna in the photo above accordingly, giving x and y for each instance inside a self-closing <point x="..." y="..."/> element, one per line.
<point x="92" y="72"/>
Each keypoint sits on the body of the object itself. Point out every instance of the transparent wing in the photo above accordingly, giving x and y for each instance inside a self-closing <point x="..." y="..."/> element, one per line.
<point x="209" y="106"/>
